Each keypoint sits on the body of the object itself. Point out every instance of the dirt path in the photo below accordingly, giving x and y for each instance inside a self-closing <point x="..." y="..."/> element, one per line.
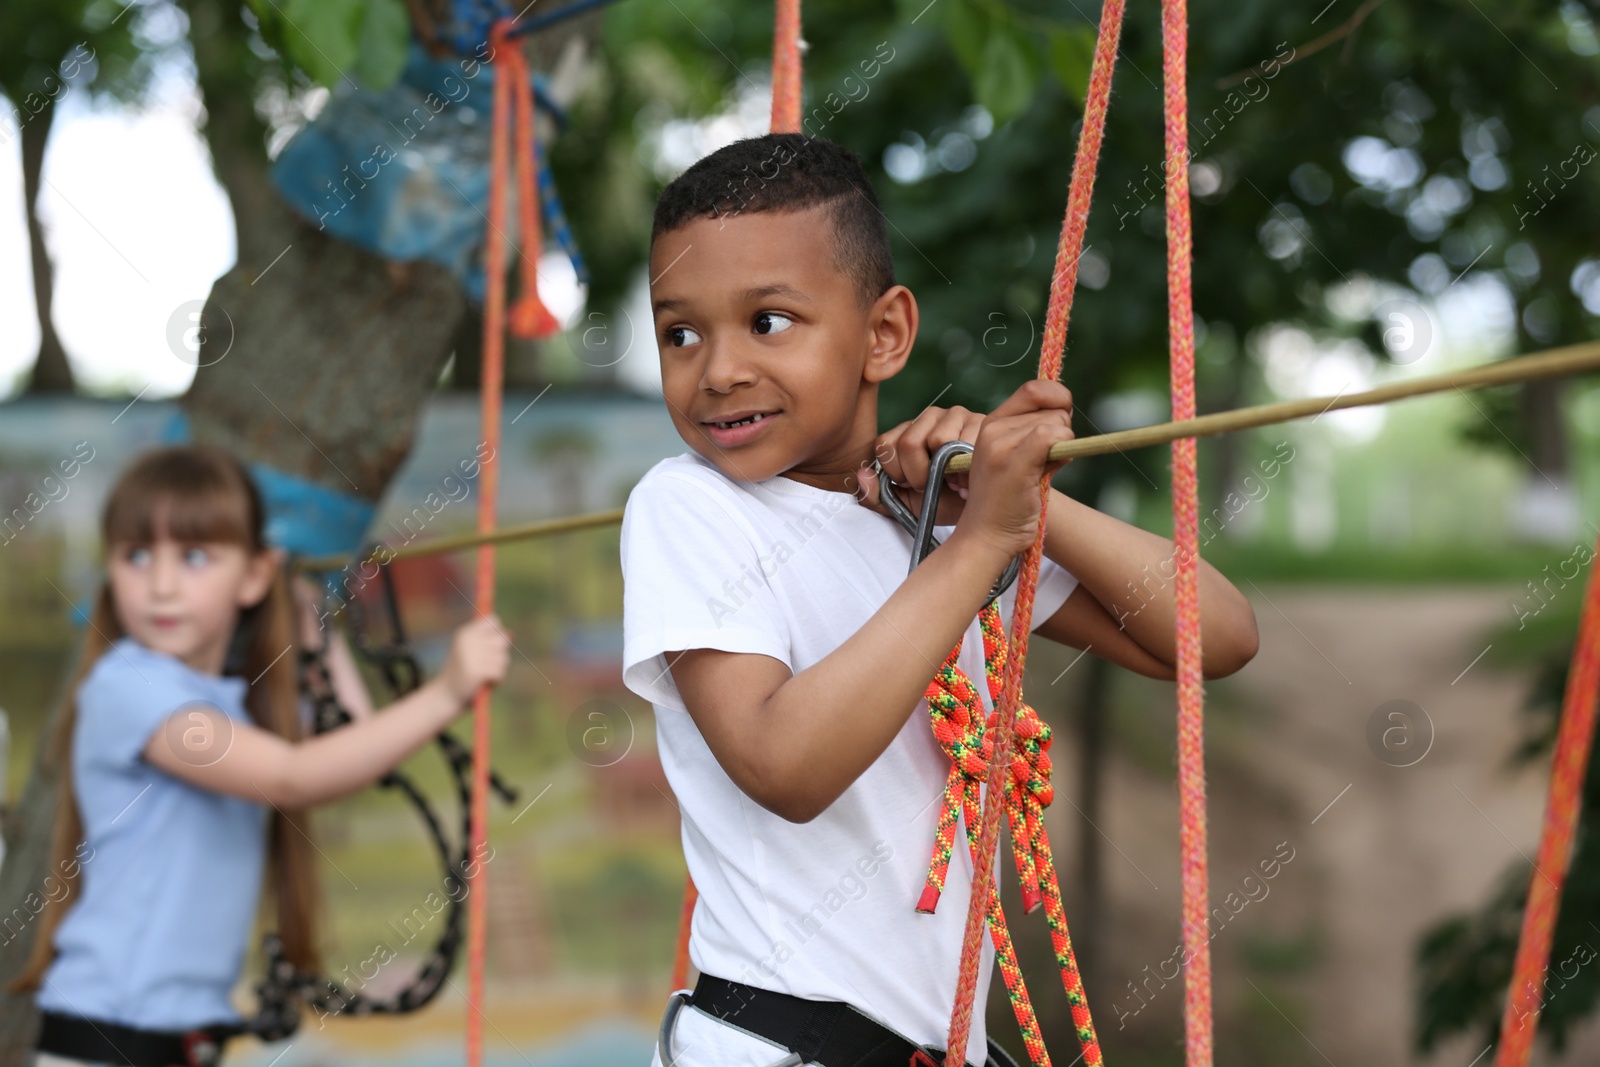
<point x="1381" y="851"/>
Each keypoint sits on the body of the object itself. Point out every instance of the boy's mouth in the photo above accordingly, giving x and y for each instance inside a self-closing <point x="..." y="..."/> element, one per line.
<point x="739" y="427"/>
<point x="742" y="420"/>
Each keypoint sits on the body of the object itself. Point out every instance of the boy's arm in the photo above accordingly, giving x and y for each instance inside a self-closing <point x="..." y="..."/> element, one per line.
<point x="795" y="742"/>
<point x="1125" y="605"/>
<point x="1124" y="609"/>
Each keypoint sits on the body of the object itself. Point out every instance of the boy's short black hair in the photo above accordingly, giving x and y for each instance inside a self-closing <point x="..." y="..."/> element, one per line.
<point x="788" y="172"/>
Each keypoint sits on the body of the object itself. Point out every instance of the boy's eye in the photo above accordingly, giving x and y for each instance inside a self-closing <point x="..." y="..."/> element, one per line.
<point x="196" y="557"/>
<point x="772" y="322"/>
<point x="682" y="336"/>
<point x="138" y="555"/>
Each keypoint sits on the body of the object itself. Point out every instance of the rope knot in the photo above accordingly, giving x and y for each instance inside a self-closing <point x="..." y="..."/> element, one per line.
<point x="965" y="731"/>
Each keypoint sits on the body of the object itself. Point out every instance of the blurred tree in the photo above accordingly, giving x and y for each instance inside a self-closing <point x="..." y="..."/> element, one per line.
<point x="1428" y="145"/>
<point x="49" y="48"/>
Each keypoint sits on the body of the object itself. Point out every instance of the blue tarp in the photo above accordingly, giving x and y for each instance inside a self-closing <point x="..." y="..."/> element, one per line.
<point x="403" y="172"/>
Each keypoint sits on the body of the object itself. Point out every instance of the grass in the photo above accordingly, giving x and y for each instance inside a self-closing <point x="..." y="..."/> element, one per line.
<point x="1364" y="565"/>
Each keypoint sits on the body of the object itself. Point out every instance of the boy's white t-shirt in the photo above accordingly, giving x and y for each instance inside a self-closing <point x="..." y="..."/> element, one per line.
<point x="825" y="909"/>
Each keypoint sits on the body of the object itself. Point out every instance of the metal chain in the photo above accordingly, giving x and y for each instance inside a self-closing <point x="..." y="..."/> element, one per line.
<point x="284" y="990"/>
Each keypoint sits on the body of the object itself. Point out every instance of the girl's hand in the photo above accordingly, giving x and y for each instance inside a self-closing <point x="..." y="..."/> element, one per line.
<point x="1012" y="455"/>
<point x="906" y="452"/>
<point x="480" y="652"/>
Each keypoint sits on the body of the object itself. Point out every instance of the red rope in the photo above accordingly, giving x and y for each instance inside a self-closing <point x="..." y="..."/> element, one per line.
<point x="1573" y="742"/>
<point x="1063" y="284"/>
<point x="1185" y="535"/>
<point x="786" y="68"/>
<point x="507" y="57"/>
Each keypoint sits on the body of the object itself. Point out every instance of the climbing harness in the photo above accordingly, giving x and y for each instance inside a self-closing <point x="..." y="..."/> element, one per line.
<point x="284" y="990"/>
<point x="825" y="1032"/>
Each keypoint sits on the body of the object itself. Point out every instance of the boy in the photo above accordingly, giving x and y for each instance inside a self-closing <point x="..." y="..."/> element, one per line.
<point x="769" y="618"/>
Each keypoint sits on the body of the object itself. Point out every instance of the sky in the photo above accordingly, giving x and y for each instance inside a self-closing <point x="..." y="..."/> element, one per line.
<point x="127" y="252"/>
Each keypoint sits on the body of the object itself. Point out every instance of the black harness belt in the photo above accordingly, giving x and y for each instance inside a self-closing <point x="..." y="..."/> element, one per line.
<point x="102" y="1042"/>
<point x="827" y="1032"/>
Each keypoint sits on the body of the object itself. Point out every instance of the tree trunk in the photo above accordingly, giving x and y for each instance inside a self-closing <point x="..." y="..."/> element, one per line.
<point x="333" y="349"/>
<point x="1547" y="428"/>
<point x="1089" y="926"/>
<point x="51" y="371"/>
<point x="331" y="353"/>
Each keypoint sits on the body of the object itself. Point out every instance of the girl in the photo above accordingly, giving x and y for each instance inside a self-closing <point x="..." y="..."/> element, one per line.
<point x="184" y="775"/>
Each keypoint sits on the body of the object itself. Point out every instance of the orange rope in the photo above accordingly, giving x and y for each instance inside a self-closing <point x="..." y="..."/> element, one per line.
<point x="786" y="68"/>
<point x="529" y="317"/>
<point x="1185" y="535"/>
<point x="680" y="958"/>
<point x="1052" y="349"/>
<point x="1573" y="742"/>
<point x="507" y="56"/>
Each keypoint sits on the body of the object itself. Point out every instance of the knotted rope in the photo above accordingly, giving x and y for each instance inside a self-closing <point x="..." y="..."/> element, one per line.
<point x="1063" y="285"/>
<point x="965" y="731"/>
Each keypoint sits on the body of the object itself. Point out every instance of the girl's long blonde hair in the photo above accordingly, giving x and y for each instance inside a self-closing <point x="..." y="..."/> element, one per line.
<point x="195" y="493"/>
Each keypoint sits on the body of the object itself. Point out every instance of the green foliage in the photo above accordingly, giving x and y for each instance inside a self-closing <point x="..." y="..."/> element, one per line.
<point x="1464" y="961"/>
<point x="999" y="56"/>
<point x="1071" y="57"/>
<point x="42" y="40"/>
<point x="1281" y="955"/>
<point x="1459" y="121"/>
<point x="336" y="40"/>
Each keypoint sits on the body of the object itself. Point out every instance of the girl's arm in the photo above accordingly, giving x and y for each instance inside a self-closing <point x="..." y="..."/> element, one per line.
<point x="348" y="685"/>
<point x="204" y="747"/>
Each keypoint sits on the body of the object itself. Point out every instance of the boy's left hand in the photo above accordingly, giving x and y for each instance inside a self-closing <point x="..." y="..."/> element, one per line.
<point x="907" y="450"/>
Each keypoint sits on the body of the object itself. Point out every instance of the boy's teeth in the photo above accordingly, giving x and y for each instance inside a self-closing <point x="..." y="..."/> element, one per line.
<point x="741" y="422"/>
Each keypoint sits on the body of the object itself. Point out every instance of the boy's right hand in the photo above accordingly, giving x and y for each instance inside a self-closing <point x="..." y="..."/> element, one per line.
<point x="480" y="652"/>
<point x="1010" y="457"/>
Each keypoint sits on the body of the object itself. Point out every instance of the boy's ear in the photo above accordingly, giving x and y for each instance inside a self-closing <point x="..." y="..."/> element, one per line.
<point x="892" y="329"/>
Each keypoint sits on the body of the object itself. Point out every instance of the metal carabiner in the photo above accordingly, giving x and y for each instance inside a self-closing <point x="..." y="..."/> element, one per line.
<point x="669" y="1022"/>
<point x="920" y="527"/>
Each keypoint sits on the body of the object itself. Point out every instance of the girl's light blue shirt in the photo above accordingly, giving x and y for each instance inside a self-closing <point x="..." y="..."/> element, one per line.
<point x="170" y="874"/>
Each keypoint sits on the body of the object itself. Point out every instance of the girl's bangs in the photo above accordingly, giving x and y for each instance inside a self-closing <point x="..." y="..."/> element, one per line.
<point x="183" y="500"/>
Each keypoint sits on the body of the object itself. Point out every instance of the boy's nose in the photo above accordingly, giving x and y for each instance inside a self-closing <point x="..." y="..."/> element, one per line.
<point x="725" y="367"/>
